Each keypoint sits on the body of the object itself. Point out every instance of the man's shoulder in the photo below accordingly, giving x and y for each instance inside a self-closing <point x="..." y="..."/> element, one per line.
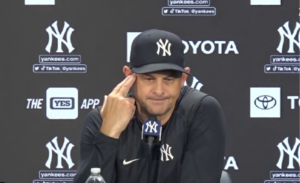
<point x="190" y="96"/>
<point x="95" y="111"/>
<point x="93" y="116"/>
<point x="190" y="100"/>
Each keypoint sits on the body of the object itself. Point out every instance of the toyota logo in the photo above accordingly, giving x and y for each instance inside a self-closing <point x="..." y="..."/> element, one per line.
<point x="265" y="102"/>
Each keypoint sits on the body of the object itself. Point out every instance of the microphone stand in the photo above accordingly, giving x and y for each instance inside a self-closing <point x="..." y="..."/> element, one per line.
<point x="151" y="139"/>
<point x="150" y="143"/>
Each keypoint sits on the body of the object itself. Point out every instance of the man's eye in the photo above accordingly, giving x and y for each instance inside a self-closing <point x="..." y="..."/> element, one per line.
<point x="169" y="79"/>
<point x="149" y="79"/>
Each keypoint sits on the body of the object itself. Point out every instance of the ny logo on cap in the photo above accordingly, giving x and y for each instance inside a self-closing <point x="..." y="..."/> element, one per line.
<point x="164" y="46"/>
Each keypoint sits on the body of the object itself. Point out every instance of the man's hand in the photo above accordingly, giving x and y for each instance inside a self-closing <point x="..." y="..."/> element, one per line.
<point x="117" y="110"/>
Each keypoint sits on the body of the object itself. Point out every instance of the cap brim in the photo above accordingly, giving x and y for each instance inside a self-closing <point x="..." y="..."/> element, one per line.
<point x="158" y="67"/>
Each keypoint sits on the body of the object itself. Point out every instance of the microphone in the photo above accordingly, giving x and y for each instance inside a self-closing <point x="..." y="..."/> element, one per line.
<point x="151" y="131"/>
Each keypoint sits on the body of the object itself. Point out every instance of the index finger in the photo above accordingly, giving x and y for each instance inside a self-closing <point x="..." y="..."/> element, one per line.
<point x="126" y="86"/>
<point x="117" y="88"/>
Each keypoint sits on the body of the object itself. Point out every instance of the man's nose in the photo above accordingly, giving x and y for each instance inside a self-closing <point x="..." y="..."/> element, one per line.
<point x="158" y="88"/>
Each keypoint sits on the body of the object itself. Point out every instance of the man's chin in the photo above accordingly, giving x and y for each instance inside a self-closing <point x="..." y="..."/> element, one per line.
<point x="157" y="112"/>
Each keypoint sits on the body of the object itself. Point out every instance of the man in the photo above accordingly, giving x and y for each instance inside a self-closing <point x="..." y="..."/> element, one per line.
<point x="192" y="143"/>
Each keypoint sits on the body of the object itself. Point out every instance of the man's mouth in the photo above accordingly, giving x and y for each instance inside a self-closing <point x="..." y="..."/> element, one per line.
<point x="157" y="101"/>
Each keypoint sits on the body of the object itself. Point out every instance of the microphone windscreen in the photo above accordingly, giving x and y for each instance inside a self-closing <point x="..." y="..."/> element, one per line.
<point x="152" y="128"/>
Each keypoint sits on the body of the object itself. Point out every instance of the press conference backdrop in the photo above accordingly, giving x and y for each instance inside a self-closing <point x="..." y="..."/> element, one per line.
<point x="60" y="57"/>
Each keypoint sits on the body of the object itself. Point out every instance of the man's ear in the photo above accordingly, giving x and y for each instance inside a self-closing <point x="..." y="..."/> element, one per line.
<point x="184" y="76"/>
<point x="127" y="71"/>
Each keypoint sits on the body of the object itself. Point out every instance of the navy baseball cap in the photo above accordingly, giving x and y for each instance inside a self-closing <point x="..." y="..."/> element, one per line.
<point x="157" y="50"/>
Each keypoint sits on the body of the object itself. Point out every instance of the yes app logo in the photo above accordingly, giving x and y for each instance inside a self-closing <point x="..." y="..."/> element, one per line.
<point x="62" y="103"/>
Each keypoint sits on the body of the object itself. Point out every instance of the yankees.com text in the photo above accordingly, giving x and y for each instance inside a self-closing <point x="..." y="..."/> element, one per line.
<point x="58" y="59"/>
<point x="188" y="2"/>
<point x="51" y="175"/>
<point x="286" y="175"/>
<point x="285" y="59"/>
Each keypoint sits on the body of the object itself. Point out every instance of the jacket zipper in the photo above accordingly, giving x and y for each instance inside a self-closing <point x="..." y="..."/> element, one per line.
<point x="149" y="165"/>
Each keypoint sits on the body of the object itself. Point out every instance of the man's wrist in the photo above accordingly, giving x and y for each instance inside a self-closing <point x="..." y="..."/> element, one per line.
<point x="110" y="133"/>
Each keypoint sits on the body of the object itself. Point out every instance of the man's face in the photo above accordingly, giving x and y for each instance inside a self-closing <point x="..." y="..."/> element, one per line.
<point x="156" y="93"/>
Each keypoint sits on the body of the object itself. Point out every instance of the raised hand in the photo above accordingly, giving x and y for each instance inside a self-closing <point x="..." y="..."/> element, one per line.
<point x="117" y="109"/>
